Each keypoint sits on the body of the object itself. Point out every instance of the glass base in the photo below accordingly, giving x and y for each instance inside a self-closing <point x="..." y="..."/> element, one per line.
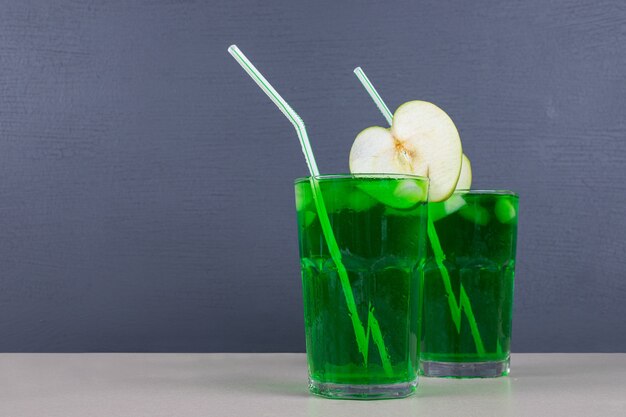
<point x="465" y="369"/>
<point x="362" y="392"/>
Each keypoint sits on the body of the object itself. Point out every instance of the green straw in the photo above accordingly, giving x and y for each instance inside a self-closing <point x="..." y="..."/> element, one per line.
<point x="362" y="338"/>
<point x="455" y="308"/>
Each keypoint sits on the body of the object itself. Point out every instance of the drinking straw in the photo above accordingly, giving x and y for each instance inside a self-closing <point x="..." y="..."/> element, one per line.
<point x="361" y="338"/>
<point x="455" y="308"/>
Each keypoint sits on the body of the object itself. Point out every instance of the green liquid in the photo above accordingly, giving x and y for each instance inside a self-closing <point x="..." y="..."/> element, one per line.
<point x="479" y="242"/>
<point x="383" y="250"/>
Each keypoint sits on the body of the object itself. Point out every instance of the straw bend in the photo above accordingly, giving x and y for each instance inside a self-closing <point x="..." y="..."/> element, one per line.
<point x="282" y="105"/>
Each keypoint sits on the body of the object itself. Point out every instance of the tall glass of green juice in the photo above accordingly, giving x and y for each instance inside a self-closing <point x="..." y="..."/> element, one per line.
<point x="362" y="336"/>
<point x="477" y="232"/>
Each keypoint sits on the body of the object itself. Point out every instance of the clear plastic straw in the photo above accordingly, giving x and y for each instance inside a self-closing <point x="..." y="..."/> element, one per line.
<point x="455" y="308"/>
<point x="369" y="87"/>
<point x="333" y="247"/>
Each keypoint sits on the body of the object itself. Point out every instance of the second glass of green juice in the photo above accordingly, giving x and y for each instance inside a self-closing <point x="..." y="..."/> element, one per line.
<point x="467" y="297"/>
<point x="362" y="334"/>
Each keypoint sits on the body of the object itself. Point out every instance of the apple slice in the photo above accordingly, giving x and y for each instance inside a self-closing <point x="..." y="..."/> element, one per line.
<point x="422" y="141"/>
<point x="465" y="179"/>
<point x="374" y="151"/>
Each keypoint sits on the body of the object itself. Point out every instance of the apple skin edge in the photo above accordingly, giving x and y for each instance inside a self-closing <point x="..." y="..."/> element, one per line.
<point x="465" y="179"/>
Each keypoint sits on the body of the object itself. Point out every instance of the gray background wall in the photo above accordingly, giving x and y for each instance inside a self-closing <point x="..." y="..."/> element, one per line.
<point x="146" y="198"/>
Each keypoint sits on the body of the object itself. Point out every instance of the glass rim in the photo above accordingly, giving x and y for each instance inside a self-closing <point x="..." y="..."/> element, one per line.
<point x="327" y="177"/>
<point x="488" y="192"/>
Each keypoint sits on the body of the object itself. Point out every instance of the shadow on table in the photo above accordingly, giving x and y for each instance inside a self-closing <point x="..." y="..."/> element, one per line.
<point x="428" y="388"/>
<point x="450" y="388"/>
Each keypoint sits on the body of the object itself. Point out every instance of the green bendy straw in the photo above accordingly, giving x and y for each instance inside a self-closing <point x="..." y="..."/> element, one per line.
<point x="464" y="302"/>
<point x="362" y="338"/>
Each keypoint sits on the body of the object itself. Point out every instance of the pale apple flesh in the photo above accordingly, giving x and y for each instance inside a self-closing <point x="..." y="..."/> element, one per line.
<point x="377" y="151"/>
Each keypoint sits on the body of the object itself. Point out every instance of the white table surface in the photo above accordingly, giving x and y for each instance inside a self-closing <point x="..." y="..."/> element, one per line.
<point x="189" y="385"/>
